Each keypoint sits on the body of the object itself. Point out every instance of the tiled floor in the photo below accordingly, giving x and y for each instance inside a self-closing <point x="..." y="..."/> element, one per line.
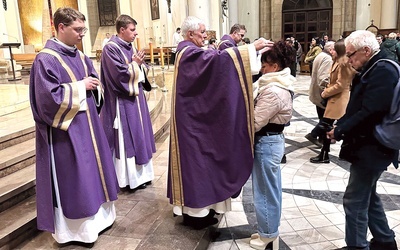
<point x="312" y="214"/>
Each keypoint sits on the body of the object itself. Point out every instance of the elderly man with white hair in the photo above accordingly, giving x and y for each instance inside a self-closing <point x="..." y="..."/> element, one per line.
<point x="370" y="100"/>
<point x="212" y="125"/>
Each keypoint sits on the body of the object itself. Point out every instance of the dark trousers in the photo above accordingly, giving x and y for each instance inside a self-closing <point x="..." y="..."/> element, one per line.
<point x="327" y="124"/>
<point x="317" y="129"/>
<point x="363" y="208"/>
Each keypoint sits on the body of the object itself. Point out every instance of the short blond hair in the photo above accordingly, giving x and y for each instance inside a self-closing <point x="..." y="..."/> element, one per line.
<point x="392" y="35"/>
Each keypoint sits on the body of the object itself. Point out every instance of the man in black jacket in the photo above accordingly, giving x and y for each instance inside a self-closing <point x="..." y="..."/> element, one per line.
<point x="370" y="100"/>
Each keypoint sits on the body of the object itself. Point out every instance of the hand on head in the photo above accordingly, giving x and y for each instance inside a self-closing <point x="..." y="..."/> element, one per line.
<point x="263" y="44"/>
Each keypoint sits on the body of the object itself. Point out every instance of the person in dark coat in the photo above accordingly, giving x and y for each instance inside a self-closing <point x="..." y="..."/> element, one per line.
<point x="370" y="100"/>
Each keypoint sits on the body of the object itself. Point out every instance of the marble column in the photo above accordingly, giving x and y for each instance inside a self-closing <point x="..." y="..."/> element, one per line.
<point x="200" y="9"/>
<point x="250" y="17"/>
<point x="389" y="14"/>
<point x="233" y="13"/>
<point x="363" y="18"/>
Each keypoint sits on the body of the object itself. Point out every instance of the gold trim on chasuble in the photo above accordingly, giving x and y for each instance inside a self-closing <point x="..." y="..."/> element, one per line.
<point x="175" y="158"/>
<point x="58" y="121"/>
<point x="247" y="87"/>
<point x="71" y="115"/>
<point x="133" y="69"/>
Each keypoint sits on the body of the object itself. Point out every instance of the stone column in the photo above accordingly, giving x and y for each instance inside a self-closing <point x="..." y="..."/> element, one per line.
<point x="200" y="9"/>
<point x="389" y="14"/>
<point x="363" y="17"/>
<point x="216" y="17"/>
<point x="233" y="13"/>
<point x="250" y="17"/>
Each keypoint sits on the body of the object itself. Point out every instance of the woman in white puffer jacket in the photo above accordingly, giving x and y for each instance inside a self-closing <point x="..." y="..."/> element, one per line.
<point x="273" y="102"/>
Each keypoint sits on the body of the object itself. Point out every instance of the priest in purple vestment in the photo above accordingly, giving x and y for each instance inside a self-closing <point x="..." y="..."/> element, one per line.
<point x="75" y="177"/>
<point x="125" y="115"/>
<point x="212" y="119"/>
<point x="235" y="36"/>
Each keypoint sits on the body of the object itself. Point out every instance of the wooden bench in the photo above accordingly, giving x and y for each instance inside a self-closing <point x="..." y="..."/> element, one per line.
<point x="25" y="60"/>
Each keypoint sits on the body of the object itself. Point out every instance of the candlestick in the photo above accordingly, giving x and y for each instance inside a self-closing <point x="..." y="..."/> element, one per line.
<point x="163" y="89"/>
<point x="162" y="56"/>
<point x="153" y="80"/>
<point x="151" y="53"/>
<point x="137" y="43"/>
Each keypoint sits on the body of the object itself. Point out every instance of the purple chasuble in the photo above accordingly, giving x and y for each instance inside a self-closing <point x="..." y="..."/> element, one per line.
<point x="84" y="167"/>
<point x="226" y="42"/>
<point x="212" y="133"/>
<point x="120" y="79"/>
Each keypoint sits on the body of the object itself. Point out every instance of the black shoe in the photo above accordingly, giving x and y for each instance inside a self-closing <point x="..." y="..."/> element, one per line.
<point x="199" y="223"/>
<point x="283" y="159"/>
<point x="313" y="139"/>
<point x="323" y="157"/>
<point x="143" y="186"/>
<point x="378" y="245"/>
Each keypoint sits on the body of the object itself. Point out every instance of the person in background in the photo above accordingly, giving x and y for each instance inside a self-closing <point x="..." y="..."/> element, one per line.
<point x="371" y="96"/>
<point x="391" y="47"/>
<point x="299" y="50"/>
<point x="207" y="165"/>
<point x="379" y="38"/>
<point x="314" y="50"/>
<point x="293" y="66"/>
<point x="125" y="116"/>
<point x="337" y="93"/>
<point x="212" y="43"/>
<point x="246" y="40"/>
<point x="235" y="36"/>
<point x="76" y="184"/>
<point x="105" y="41"/>
<point x="176" y="39"/>
<point x="319" y="80"/>
<point x="324" y="41"/>
<point x="273" y="93"/>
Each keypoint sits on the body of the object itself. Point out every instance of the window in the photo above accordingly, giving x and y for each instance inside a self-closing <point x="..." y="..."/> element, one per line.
<point x="107" y="12"/>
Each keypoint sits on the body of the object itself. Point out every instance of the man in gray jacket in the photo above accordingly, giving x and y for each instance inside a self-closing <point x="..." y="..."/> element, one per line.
<point x="319" y="79"/>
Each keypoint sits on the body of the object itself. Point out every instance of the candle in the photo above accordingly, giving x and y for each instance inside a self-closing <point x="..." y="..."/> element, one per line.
<point x="137" y="43"/>
<point x="162" y="56"/>
<point x="151" y="53"/>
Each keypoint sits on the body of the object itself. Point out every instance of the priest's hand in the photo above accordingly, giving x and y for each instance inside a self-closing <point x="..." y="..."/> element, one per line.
<point x="263" y="44"/>
<point x="91" y="83"/>
<point x="138" y="57"/>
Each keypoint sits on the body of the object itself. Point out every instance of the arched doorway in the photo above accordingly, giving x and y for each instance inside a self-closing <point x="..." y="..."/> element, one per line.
<point x="306" y="19"/>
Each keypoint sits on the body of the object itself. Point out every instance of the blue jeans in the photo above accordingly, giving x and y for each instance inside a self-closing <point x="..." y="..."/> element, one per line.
<point x="267" y="184"/>
<point x="364" y="209"/>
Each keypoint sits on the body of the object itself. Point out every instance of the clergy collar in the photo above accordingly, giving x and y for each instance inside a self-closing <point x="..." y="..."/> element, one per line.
<point x="70" y="48"/>
<point x="123" y="41"/>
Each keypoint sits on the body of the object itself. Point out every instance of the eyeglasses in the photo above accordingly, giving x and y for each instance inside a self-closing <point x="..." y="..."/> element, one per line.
<point x="242" y="35"/>
<point x="352" y="54"/>
<point x="80" y="30"/>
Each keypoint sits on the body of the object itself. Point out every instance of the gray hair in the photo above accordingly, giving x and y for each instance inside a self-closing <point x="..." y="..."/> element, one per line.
<point x="362" y="38"/>
<point x="328" y="45"/>
<point x="191" y="23"/>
